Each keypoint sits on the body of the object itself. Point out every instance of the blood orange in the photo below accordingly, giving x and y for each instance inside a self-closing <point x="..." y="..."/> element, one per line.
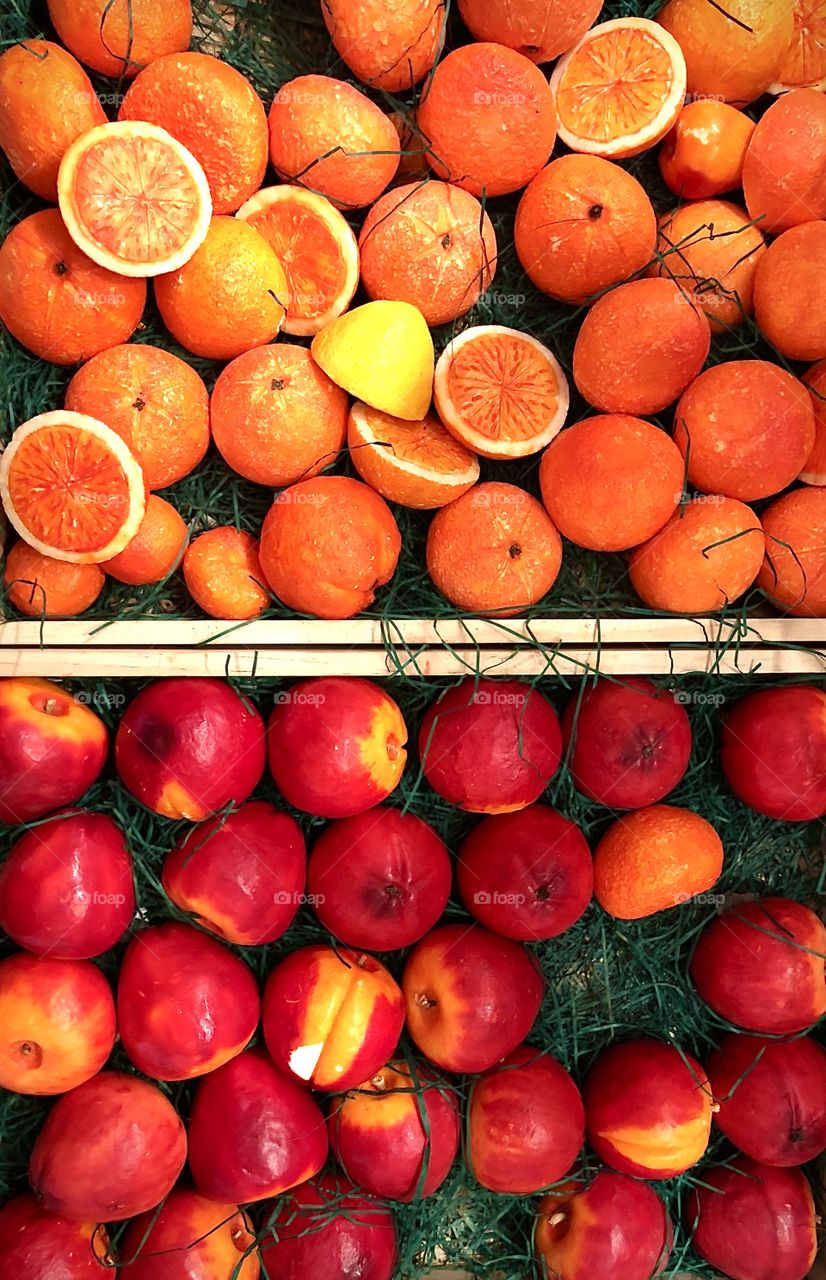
<point x="417" y="464"/>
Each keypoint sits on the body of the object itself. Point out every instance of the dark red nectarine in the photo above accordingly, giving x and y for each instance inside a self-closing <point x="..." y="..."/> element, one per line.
<point x="774" y="751"/>
<point x="36" y="1245"/>
<point x="611" y="1227"/>
<point x="326" y="1230"/>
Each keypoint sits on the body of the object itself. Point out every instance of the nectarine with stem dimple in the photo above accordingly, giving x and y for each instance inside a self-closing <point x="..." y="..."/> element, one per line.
<point x="190" y="1238"/>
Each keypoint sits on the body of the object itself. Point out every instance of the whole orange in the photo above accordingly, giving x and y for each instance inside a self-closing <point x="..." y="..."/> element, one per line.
<point x="329" y="137"/>
<point x="215" y="112"/>
<point x="784" y="172"/>
<point x="391" y="44"/>
<point x="46" y="102"/>
<point x="708" y="554"/>
<point x="327" y="544"/>
<point x="733" y="51"/>
<point x="703" y="154"/>
<point x="431" y="244"/>
<point x="155" y="401"/>
<point x="611" y="482"/>
<point x="489" y="116"/>
<point x="516" y="550"/>
<point x="639" y="347"/>
<point x="223" y="574"/>
<point x="745" y="428"/>
<point x="229" y="296"/>
<point x="653" y="859"/>
<point x="276" y="416"/>
<point x="793" y="575"/>
<point x="814" y="469"/>
<point x="712" y="250"/>
<point x="788" y="292"/>
<point x="56" y="301"/>
<point x="156" y="548"/>
<point x="583" y="225"/>
<point x="539" y="29"/>
<point x="118" y="37"/>
<point x="41" y="587"/>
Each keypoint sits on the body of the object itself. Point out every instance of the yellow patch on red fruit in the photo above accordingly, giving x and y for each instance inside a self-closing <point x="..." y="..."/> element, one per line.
<point x="175" y="801"/>
<point x="62" y="717"/>
<point x="382" y="750"/>
<point x="662" y="1148"/>
<point x="381" y="1102"/>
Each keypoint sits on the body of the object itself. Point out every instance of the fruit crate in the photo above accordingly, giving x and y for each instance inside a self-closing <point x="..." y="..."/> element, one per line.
<point x="607" y="979"/>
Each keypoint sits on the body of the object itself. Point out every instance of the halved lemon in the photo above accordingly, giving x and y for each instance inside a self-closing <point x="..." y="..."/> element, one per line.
<point x="71" y="488"/>
<point x="133" y="198"/>
<point x="417" y="464"/>
<point x="619" y="91"/>
<point x="316" y="248"/>
<point x="500" y="391"/>
<point x="804" y="62"/>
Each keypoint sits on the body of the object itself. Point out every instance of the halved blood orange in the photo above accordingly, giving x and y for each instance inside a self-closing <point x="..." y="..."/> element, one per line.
<point x="71" y="488"/>
<point x="133" y="198"/>
<point x="316" y="248"/>
<point x="804" y="63"/>
<point x="500" y="391"/>
<point x="619" y="91"/>
<point x="417" y="464"/>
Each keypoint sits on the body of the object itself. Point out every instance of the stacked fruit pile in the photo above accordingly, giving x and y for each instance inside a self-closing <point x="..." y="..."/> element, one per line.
<point x="472" y="1013"/>
<point x="431" y="188"/>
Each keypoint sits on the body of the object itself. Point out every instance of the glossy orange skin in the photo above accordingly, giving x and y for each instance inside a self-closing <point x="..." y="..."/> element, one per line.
<point x="119" y="38"/>
<point x="613" y="1227"/>
<point x="703" y="154"/>
<point x="186" y="1005"/>
<point x="156" y="549"/>
<point x="52" y="748"/>
<point x="41" y="587"/>
<point x="648" y="1109"/>
<point x="786" y="297"/>
<point x="526" y="1123"/>
<point x="331" y="1017"/>
<point x="793" y="575"/>
<point x="814" y="471"/>
<point x="389" y="44"/>
<point x="539" y="29"/>
<point x="471" y="996"/>
<point x="223" y="574"/>
<point x="327" y="1228"/>
<point x="191" y="1237"/>
<point x="378" y="1137"/>
<point x="773" y="746"/>
<point x="108" y="1150"/>
<point x="253" y="1132"/>
<point x="784" y="175"/>
<point x="35" y="1243"/>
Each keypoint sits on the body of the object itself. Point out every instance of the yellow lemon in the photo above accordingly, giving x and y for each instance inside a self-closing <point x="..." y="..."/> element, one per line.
<point x="382" y="353"/>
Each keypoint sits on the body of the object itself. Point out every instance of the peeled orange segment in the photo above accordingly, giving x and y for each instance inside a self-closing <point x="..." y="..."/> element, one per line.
<point x="417" y="464"/>
<point x="619" y="91"/>
<point x="133" y="198"/>
<point x="804" y="63"/>
<point x="71" y="488"/>
<point x="500" y="391"/>
<point x="316" y="248"/>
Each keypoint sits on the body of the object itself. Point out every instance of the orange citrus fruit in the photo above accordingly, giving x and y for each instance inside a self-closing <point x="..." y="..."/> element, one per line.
<point x="745" y="428"/>
<point x="71" y="488"/>
<point x="793" y="575"/>
<point x="653" y="859"/>
<point x="804" y="62"/>
<point x="413" y="154"/>
<point x="500" y="391"/>
<point x="707" y="555"/>
<point x="611" y="482"/>
<point x="733" y="49"/>
<point x="639" y="347"/>
<point x="389" y="46"/>
<point x="620" y="89"/>
<point x="156" y="548"/>
<point x="329" y="137"/>
<point x="41" y="587"/>
<point x="223" y="574"/>
<point x="56" y="301"/>
<point x="276" y="416"/>
<point x="229" y="297"/>
<point x="539" y="29"/>
<point x="494" y="551"/>
<point x="217" y="115"/>
<point x="583" y="225"/>
<point x="703" y="154"/>
<point x="327" y="544"/>
<point x="784" y="172"/>
<point x="712" y="248"/>
<point x="788" y="292"/>
<point x="155" y="401"/>
<point x="814" y="469"/>
<point x="46" y="101"/>
<point x="431" y="244"/>
<point x="133" y="198"/>
<point x="488" y="116"/>
<point x="316" y="248"/>
<point x="118" y="37"/>
<point x="417" y="464"/>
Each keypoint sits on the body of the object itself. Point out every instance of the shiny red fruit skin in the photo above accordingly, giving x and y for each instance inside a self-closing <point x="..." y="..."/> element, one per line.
<point x="773" y="752"/>
<point x="613" y="1227"/>
<point x="327" y="1230"/>
<point x="37" y="1245"/>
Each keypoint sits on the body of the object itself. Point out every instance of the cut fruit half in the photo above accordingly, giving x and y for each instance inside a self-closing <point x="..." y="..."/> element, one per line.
<point x="500" y="391"/>
<point x="417" y="464"/>
<point x="71" y="488"/>
<point x="134" y="199"/>
<point x="804" y="63"/>
<point x="316" y="248"/>
<point x="619" y="91"/>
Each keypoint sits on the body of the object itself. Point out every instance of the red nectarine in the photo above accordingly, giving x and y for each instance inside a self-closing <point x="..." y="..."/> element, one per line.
<point x="37" y="1245"/>
<point x="190" y="1238"/>
<point x="325" y="1230"/>
<point x="774" y="752"/>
